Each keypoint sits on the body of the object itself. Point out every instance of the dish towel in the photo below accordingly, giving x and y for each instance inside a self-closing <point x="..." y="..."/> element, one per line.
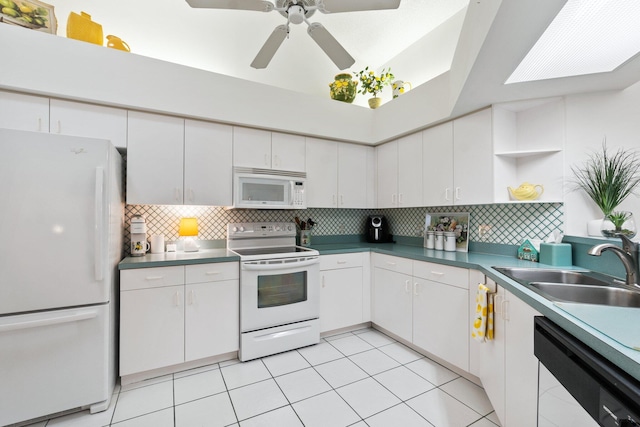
<point x="482" y="328"/>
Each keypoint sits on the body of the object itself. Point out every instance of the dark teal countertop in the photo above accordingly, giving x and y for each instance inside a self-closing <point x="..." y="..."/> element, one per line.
<point x="585" y="324"/>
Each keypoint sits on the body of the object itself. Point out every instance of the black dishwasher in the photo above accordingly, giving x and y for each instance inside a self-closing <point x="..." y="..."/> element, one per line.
<point x="608" y="394"/>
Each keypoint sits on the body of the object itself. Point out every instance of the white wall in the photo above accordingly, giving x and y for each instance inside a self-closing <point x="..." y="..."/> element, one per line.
<point x="590" y="118"/>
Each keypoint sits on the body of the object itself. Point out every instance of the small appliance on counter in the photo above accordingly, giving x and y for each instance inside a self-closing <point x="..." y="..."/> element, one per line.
<point x="377" y="230"/>
<point x="139" y="244"/>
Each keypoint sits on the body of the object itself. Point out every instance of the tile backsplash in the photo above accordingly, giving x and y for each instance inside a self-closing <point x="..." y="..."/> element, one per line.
<point x="507" y="223"/>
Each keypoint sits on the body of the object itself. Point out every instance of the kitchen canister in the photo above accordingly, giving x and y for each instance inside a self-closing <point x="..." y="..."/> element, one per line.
<point x="450" y="241"/>
<point x="439" y="240"/>
<point x="430" y="240"/>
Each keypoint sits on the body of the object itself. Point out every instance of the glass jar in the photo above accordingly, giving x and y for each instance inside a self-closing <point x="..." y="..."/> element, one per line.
<point x="430" y="240"/>
<point x="450" y="241"/>
<point x="619" y="222"/>
<point x="439" y="240"/>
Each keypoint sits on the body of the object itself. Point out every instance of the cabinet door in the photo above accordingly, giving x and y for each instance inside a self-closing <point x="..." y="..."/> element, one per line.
<point x="251" y="148"/>
<point x="410" y="170"/>
<point x="288" y="152"/>
<point x="24" y="112"/>
<point x="155" y="159"/>
<point x="437" y="165"/>
<point x="340" y="298"/>
<point x="387" y="161"/>
<point x="151" y="328"/>
<point x="93" y="121"/>
<point x="208" y="174"/>
<point x="473" y="162"/>
<point x="212" y="319"/>
<point x="392" y="306"/>
<point x="322" y="173"/>
<point x="521" y="365"/>
<point x="352" y="176"/>
<point x="441" y="321"/>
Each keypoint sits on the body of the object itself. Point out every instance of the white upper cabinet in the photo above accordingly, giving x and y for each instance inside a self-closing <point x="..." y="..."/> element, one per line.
<point x="24" y="112"/>
<point x="208" y="151"/>
<point x="94" y="121"/>
<point x="339" y="175"/>
<point x="437" y="164"/>
<point x="256" y="148"/>
<point x="155" y="159"/>
<point x="322" y="173"/>
<point x="473" y="159"/>
<point x="400" y="172"/>
<point x="171" y="161"/>
<point x="458" y="161"/>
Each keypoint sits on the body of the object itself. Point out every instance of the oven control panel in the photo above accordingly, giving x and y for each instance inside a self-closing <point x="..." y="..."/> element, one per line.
<point x="246" y="230"/>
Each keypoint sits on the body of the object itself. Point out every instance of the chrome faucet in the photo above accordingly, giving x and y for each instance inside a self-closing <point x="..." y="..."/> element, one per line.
<point x="628" y="255"/>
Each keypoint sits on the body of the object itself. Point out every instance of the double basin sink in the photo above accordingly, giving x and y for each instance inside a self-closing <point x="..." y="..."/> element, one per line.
<point x="576" y="286"/>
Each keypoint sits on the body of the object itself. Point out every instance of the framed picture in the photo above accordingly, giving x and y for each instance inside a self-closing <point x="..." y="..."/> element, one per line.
<point x="457" y="222"/>
<point x="32" y="14"/>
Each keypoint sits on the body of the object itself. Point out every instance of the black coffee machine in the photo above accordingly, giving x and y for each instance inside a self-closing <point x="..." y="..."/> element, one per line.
<point x="377" y="230"/>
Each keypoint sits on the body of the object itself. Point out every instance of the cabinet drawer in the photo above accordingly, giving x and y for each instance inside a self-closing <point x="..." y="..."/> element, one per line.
<point x="332" y="262"/>
<point x="214" y="272"/>
<point x="156" y="277"/>
<point x="442" y="273"/>
<point x="401" y="265"/>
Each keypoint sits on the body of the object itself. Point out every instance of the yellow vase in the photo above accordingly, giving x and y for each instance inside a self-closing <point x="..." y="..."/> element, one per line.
<point x="375" y="102"/>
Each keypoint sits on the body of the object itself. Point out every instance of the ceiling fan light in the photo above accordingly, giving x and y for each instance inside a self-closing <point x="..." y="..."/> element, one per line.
<point x="296" y="14"/>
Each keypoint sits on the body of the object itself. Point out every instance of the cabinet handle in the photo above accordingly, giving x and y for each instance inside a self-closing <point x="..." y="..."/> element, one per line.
<point x="342" y="200"/>
<point x="154" y="278"/>
<point x="406" y="286"/>
<point x="59" y="127"/>
<point x="211" y="273"/>
<point x="176" y="299"/>
<point x="457" y="193"/>
<point x="323" y="282"/>
<point x="437" y="273"/>
<point x="390" y="263"/>
<point x="415" y="289"/>
<point x="497" y="302"/>
<point x="400" y="198"/>
<point x="190" y="195"/>
<point x="177" y="195"/>
<point x="446" y="193"/>
<point x="192" y="297"/>
<point x="342" y="262"/>
<point x="505" y="309"/>
<point x="393" y="199"/>
<point x="39" y="124"/>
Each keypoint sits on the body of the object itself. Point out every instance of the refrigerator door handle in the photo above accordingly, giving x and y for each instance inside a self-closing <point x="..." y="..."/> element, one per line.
<point x="98" y="230"/>
<point x="29" y="324"/>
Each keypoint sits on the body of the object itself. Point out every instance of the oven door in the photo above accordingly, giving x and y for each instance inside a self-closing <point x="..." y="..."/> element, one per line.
<point x="278" y="291"/>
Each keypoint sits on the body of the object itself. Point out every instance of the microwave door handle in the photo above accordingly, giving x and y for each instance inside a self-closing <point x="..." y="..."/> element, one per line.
<point x="292" y="193"/>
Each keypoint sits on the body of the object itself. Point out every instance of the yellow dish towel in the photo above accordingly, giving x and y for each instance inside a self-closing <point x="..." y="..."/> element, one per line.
<point x="482" y="328"/>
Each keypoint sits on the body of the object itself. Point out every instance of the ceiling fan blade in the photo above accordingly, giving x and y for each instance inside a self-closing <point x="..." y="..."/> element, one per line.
<point x="270" y="47"/>
<point x="337" y="6"/>
<point x="330" y="45"/>
<point x="258" y="5"/>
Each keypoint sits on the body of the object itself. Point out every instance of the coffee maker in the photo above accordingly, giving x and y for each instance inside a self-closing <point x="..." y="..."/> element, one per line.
<point x="139" y="244"/>
<point x="377" y="229"/>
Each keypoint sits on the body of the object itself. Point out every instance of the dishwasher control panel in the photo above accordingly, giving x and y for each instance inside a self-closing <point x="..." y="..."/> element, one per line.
<point x="614" y="413"/>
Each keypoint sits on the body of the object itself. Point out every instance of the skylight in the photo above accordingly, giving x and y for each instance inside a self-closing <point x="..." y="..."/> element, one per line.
<point x="586" y="37"/>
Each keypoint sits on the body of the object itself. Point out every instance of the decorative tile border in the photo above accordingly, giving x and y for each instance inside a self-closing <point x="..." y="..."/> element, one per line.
<point x="507" y="223"/>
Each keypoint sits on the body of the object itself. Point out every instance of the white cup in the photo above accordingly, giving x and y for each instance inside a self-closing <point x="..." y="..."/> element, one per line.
<point x="157" y="243"/>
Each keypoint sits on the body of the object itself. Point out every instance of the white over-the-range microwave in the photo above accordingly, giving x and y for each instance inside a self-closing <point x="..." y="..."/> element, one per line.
<point x="268" y="189"/>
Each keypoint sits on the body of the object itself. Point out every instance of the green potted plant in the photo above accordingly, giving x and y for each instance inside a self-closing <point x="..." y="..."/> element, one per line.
<point x="608" y="179"/>
<point x="370" y="83"/>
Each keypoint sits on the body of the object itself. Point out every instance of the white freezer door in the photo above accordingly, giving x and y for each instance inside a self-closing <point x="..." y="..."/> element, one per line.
<point x="52" y="221"/>
<point x="52" y="361"/>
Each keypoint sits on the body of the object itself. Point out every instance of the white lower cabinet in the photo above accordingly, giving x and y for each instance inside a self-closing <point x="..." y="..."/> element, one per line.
<point x="424" y="303"/>
<point x="172" y="315"/>
<point x="342" y="291"/>
<point x="506" y="365"/>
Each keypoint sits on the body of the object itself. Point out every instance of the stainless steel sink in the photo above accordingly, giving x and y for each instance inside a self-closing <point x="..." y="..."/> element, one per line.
<point x="579" y="286"/>
<point x="588" y="294"/>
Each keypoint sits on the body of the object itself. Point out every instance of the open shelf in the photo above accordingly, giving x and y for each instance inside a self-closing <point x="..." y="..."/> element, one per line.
<point x="527" y="153"/>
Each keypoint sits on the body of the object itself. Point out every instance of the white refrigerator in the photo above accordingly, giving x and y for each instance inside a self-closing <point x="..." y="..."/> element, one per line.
<point x="61" y="226"/>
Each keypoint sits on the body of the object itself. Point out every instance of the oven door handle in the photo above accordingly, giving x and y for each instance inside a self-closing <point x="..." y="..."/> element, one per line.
<point x="280" y="265"/>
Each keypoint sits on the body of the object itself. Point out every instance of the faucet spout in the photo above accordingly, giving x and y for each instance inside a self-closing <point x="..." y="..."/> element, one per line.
<point x="628" y="256"/>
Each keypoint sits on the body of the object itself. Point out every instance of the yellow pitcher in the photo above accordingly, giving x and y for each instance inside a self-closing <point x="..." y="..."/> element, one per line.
<point x="116" y="42"/>
<point x="527" y="191"/>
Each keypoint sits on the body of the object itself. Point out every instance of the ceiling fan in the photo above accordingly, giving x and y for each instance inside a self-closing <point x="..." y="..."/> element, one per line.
<point x="296" y="12"/>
